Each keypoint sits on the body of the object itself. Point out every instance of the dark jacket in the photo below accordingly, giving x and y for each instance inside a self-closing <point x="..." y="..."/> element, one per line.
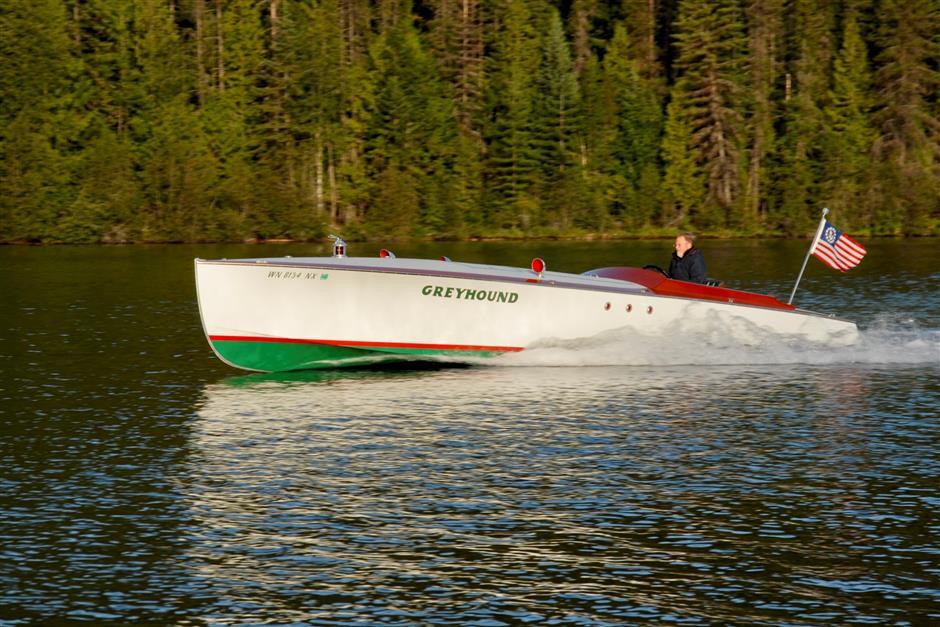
<point x="689" y="267"/>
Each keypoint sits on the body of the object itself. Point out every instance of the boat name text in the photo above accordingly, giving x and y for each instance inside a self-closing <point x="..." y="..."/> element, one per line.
<point x="493" y="296"/>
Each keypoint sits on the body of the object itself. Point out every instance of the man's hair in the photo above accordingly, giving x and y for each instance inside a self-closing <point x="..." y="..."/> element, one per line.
<point x="689" y="237"/>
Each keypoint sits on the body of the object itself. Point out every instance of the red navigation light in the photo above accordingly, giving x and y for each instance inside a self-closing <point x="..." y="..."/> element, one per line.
<point x="538" y="266"/>
<point x="386" y="253"/>
<point x="443" y="258"/>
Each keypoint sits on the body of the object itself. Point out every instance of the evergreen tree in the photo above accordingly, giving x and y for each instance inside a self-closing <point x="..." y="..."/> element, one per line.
<point x="33" y="181"/>
<point x="313" y="71"/>
<point x="847" y="141"/>
<point x="178" y="170"/>
<point x="313" y="74"/>
<point x="282" y="180"/>
<point x="580" y="20"/>
<point x="765" y="41"/>
<point x="683" y="192"/>
<point x="602" y="187"/>
<point x="512" y="170"/>
<point x="909" y="144"/>
<point x="457" y="38"/>
<point x="798" y="172"/>
<point x="557" y="125"/>
<point x="640" y="22"/>
<point x="711" y="44"/>
<point x="38" y="119"/>
<point x="162" y="120"/>
<point x="107" y="199"/>
<point x="38" y="57"/>
<point x="230" y="117"/>
<point x="350" y="163"/>
<point x="411" y="140"/>
<point x="638" y="124"/>
<point x="103" y="34"/>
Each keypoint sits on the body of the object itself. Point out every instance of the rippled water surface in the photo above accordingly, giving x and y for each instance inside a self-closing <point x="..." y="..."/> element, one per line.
<point x="696" y="479"/>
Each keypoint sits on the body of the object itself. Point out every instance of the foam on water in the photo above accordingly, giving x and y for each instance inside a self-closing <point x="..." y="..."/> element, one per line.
<point x="714" y="342"/>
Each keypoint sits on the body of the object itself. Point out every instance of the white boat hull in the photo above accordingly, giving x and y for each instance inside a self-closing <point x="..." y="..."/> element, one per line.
<point x="289" y="314"/>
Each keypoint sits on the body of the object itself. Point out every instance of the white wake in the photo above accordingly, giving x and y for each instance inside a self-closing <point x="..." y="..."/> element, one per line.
<point x="711" y="342"/>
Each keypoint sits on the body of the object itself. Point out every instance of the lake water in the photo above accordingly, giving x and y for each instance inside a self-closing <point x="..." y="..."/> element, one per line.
<point x="619" y="480"/>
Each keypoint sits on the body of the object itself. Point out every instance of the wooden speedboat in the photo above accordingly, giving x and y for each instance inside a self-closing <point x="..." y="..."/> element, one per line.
<point x="294" y="313"/>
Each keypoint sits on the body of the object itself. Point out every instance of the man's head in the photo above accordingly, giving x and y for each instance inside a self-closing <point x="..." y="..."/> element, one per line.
<point x="684" y="243"/>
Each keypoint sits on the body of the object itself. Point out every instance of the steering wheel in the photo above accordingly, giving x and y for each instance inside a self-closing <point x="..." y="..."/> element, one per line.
<point x="650" y="266"/>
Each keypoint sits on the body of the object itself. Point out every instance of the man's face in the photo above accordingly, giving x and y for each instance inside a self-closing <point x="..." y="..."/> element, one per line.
<point x="682" y="245"/>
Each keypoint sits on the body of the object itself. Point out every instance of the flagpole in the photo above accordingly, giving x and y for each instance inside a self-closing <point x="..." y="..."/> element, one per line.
<point x="822" y="223"/>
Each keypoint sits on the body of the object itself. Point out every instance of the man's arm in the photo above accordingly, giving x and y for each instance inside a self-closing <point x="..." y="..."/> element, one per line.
<point x="673" y="268"/>
<point x="697" y="270"/>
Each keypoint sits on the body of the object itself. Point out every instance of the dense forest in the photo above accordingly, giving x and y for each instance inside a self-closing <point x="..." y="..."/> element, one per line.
<point x="212" y="120"/>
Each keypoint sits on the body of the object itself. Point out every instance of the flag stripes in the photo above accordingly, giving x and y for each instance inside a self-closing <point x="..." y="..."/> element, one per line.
<point x="837" y="250"/>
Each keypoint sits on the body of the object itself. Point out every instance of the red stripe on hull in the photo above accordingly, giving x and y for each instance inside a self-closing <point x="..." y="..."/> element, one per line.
<point x="404" y="345"/>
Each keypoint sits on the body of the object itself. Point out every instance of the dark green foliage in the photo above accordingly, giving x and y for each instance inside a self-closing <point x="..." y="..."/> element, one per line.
<point x="907" y="117"/>
<point x="847" y="140"/>
<point x="765" y="60"/>
<point x="799" y="168"/>
<point x="512" y="159"/>
<point x="637" y="125"/>
<point x="710" y="64"/>
<point x="109" y="196"/>
<point x="557" y="131"/>
<point x="40" y="118"/>
<point x="206" y="120"/>
<point x="683" y="185"/>
<point x="410" y="139"/>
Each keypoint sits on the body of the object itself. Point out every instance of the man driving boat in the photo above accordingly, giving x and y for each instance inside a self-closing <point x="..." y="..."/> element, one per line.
<point x="687" y="262"/>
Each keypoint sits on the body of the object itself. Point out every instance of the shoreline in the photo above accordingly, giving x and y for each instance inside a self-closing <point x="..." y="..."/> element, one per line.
<point x="411" y="240"/>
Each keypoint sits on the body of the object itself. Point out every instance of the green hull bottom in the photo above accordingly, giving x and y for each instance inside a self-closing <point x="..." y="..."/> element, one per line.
<point x="286" y="356"/>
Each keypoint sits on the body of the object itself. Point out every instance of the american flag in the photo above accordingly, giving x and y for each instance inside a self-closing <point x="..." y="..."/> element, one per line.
<point x="837" y="249"/>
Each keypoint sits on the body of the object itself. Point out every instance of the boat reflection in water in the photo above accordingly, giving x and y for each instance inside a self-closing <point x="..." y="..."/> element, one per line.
<point x="454" y="495"/>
